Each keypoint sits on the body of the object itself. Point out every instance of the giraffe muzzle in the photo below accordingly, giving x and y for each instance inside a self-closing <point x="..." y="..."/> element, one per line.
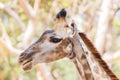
<point x="25" y="60"/>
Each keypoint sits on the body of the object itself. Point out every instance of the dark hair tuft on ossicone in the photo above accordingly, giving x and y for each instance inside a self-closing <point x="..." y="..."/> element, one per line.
<point x="62" y="13"/>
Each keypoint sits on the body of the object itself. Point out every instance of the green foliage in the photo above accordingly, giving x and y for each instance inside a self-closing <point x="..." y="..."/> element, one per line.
<point x="116" y="25"/>
<point x="116" y="68"/>
<point x="116" y="31"/>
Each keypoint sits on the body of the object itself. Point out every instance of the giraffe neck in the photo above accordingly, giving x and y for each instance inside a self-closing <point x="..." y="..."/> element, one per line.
<point x="81" y="61"/>
<point x="101" y="66"/>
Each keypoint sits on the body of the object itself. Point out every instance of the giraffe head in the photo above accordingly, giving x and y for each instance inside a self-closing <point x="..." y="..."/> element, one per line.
<point x="52" y="45"/>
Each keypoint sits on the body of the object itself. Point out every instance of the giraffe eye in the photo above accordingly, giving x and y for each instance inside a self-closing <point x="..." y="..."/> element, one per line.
<point x="55" y="40"/>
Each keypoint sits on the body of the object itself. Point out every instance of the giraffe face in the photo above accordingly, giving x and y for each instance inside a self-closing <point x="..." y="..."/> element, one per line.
<point x="49" y="47"/>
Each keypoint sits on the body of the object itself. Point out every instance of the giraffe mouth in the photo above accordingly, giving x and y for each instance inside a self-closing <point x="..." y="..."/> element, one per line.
<point x="26" y="64"/>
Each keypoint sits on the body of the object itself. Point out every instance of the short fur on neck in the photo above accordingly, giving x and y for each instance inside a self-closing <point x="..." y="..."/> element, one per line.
<point x="97" y="56"/>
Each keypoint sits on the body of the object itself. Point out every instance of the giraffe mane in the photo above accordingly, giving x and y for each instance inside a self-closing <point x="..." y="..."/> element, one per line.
<point x="97" y="56"/>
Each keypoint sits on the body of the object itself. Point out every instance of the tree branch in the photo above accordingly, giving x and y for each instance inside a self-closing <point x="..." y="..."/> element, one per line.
<point x="5" y="42"/>
<point x="103" y="25"/>
<point x="112" y="57"/>
<point x="44" y="71"/>
<point x="9" y="47"/>
<point x="13" y="14"/>
<point x="32" y="13"/>
<point x="27" y="8"/>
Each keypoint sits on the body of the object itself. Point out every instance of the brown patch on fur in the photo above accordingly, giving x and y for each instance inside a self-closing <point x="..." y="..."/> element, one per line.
<point x="97" y="56"/>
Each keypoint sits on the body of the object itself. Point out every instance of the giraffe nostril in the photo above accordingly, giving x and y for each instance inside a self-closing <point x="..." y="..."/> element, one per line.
<point x="21" y="58"/>
<point x="22" y="55"/>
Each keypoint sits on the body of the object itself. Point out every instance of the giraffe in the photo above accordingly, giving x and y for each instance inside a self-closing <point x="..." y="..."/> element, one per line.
<point x="65" y="41"/>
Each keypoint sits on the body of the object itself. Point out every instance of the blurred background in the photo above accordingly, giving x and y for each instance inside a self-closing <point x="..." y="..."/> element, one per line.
<point x="23" y="21"/>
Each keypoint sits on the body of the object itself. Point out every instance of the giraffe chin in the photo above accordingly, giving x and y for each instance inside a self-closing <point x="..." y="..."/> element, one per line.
<point x="27" y="66"/>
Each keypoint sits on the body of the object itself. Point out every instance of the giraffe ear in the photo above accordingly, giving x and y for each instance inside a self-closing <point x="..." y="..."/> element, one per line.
<point x="74" y="29"/>
<point x="61" y="14"/>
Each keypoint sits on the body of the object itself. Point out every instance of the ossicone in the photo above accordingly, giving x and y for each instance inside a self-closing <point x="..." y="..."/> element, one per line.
<point x="61" y="14"/>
